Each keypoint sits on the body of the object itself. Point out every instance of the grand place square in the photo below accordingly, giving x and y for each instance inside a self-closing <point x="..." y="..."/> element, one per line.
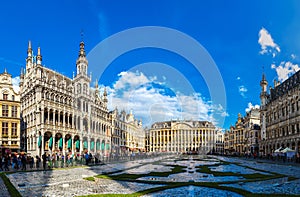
<point x="144" y="98"/>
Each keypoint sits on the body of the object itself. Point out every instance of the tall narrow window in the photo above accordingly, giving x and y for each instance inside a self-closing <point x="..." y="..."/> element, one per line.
<point x="4" y="129"/>
<point x="14" y="129"/>
<point x="5" y="110"/>
<point x="14" y="111"/>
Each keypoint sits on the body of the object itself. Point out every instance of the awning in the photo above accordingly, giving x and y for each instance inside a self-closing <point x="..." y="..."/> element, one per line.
<point x="85" y="144"/>
<point x="98" y="145"/>
<point x="77" y="144"/>
<point x="92" y="145"/>
<point x="70" y="143"/>
<point x="60" y="143"/>
<point x="40" y="141"/>
<point x="50" y="142"/>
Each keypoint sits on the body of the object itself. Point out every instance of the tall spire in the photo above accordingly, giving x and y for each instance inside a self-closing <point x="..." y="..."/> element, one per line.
<point x="81" y="50"/>
<point x="82" y="62"/>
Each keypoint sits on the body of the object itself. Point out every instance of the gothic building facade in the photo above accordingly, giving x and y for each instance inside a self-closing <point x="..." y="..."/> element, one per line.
<point x="181" y="136"/>
<point x="63" y="114"/>
<point x="280" y="115"/>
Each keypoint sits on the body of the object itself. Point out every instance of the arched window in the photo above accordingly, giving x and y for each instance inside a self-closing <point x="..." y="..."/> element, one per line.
<point x="79" y="88"/>
<point x="84" y="88"/>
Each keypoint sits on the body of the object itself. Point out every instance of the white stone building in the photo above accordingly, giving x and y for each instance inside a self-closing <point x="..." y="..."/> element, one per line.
<point x="63" y="114"/>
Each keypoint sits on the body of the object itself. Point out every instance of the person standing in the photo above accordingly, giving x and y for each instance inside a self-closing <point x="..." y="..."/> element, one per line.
<point x="1" y="163"/>
<point x="37" y="162"/>
<point x="31" y="162"/>
<point x="23" y="160"/>
<point x="44" y="157"/>
<point x="6" y="163"/>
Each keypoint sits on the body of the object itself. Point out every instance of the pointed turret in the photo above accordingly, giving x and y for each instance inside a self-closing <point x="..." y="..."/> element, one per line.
<point x="263" y="93"/>
<point x="39" y="57"/>
<point x="96" y="88"/>
<point x="29" y="60"/>
<point x="29" y="50"/>
<point x="21" y="77"/>
<point x="105" y="96"/>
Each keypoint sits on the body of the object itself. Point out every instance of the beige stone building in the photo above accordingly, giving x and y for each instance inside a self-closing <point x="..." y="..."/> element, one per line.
<point x="280" y="115"/>
<point x="9" y="115"/>
<point x="252" y="131"/>
<point x="243" y="137"/>
<point x="181" y="136"/>
<point x="128" y="134"/>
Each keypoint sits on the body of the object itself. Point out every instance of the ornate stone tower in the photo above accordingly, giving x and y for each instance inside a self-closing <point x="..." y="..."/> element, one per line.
<point x="263" y="102"/>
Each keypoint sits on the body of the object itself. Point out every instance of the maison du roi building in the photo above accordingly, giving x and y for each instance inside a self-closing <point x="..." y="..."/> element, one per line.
<point x="280" y="114"/>
<point x="9" y="116"/>
<point x="66" y="115"/>
<point x="184" y="136"/>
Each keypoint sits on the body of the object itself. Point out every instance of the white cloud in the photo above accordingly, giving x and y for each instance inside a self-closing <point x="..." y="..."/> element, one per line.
<point x="130" y="79"/>
<point x="15" y="83"/>
<point x="285" y="69"/>
<point x="268" y="46"/>
<point x="243" y="90"/>
<point x="251" y="106"/>
<point x="152" y="101"/>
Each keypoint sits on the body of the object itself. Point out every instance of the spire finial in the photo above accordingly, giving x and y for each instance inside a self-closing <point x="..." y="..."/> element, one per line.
<point x="29" y="44"/>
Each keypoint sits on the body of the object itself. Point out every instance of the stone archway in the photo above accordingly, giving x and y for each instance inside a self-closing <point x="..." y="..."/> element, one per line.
<point x="92" y="145"/>
<point x="76" y="144"/>
<point x="68" y="143"/>
<point x="58" y="147"/>
<point x="48" y="141"/>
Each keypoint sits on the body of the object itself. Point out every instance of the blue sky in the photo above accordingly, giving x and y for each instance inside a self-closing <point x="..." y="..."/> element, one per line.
<point x="242" y="38"/>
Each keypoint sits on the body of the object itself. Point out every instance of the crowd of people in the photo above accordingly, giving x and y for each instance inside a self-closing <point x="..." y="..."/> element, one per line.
<point x="23" y="161"/>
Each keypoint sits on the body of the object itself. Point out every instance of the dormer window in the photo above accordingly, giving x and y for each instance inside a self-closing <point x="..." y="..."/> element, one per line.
<point x="5" y="96"/>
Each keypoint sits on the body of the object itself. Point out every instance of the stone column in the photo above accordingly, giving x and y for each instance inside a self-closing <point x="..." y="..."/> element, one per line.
<point x="89" y="144"/>
<point x="42" y="150"/>
<point x="63" y="145"/>
<point x="53" y="142"/>
<point x="54" y="114"/>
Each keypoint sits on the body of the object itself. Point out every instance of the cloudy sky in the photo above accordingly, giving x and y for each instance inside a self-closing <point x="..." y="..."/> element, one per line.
<point x="206" y="63"/>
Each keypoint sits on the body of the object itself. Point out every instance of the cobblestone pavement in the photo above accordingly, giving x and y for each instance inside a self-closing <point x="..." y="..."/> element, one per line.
<point x="3" y="189"/>
<point x="70" y="182"/>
